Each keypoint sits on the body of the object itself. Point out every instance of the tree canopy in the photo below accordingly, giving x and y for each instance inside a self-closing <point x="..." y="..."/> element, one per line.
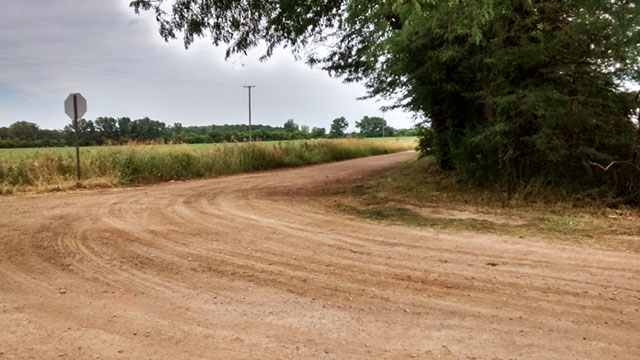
<point x="373" y="127"/>
<point x="511" y="90"/>
<point x="106" y="130"/>
<point x="338" y="127"/>
<point x="290" y="125"/>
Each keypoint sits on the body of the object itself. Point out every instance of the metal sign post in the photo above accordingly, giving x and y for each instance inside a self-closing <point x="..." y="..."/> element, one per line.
<point x="75" y="106"/>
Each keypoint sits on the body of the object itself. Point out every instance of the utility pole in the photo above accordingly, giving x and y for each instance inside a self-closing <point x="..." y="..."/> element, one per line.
<point x="636" y="151"/>
<point x="249" y="87"/>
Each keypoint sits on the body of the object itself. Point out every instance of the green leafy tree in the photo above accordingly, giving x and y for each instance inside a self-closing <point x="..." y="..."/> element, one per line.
<point x="175" y="133"/>
<point x="511" y="90"/>
<point x="338" y="127"/>
<point x="146" y="129"/>
<point x="86" y="133"/>
<point x="290" y="125"/>
<point x="23" y="130"/>
<point x="26" y="134"/>
<point x="317" y="132"/>
<point x="371" y="126"/>
<point x="124" y="127"/>
<point x="50" y="138"/>
<point x="404" y="132"/>
<point x="107" y="128"/>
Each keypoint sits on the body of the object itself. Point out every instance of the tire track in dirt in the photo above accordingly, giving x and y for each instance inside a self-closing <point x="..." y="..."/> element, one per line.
<point x="246" y="266"/>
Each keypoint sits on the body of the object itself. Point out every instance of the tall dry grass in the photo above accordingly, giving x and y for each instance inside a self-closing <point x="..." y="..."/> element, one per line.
<point x="132" y="165"/>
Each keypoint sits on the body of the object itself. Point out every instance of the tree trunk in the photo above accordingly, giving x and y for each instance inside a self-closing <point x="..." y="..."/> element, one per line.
<point x="636" y="149"/>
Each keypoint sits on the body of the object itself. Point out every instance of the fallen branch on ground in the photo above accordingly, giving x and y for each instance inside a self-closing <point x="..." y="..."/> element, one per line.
<point x="614" y="163"/>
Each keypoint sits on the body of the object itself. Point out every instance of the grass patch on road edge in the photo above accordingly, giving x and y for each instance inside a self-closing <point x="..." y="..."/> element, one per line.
<point x="420" y="194"/>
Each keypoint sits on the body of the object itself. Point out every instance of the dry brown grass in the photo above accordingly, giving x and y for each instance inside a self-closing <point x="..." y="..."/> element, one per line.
<point x="54" y="169"/>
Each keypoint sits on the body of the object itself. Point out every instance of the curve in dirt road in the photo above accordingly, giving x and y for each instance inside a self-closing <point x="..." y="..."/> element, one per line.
<point x="246" y="266"/>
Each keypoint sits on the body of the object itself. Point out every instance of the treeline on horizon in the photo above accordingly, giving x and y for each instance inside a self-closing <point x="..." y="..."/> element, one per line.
<point x="119" y="131"/>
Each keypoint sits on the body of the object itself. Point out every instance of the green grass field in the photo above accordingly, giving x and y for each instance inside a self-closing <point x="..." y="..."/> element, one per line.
<point x="52" y="169"/>
<point x="25" y="153"/>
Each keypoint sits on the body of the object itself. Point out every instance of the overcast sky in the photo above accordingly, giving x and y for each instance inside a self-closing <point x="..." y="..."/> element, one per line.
<point x="119" y="62"/>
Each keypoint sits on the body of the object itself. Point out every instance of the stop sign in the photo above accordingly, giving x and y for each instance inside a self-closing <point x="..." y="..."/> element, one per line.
<point x="75" y="106"/>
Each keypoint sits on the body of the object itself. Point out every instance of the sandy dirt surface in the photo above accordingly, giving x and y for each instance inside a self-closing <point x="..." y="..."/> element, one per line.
<point x="247" y="267"/>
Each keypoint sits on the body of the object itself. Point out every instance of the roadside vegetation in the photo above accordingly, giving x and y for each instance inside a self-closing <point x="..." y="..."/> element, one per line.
<point x="423" y="195"/>
<point x="511" y="92"/>
<point x="36" y="170"/>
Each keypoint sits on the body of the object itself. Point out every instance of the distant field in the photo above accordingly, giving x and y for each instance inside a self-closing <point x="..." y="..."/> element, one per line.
<point x="53" y="169"/>
<point x="393" y="138"/>
<point x="22" y="153"/>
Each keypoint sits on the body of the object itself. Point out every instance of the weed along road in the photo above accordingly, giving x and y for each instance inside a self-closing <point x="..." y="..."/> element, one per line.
<point x="248" y="266"/>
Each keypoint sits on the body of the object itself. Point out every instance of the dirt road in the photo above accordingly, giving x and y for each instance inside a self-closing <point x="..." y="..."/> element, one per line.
<point x="247" y="267"/>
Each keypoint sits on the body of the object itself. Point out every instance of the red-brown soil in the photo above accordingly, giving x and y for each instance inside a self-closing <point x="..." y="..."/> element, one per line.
<point x="248" y="267"/>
